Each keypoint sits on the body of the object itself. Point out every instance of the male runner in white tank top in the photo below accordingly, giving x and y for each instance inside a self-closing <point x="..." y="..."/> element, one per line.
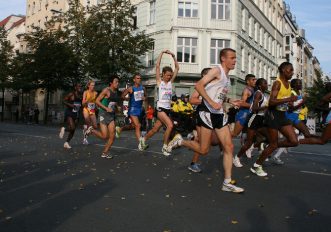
<point x="213" y="88"/>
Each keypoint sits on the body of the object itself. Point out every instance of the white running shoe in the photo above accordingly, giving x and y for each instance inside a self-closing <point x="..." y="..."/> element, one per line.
<point x="258" y="171"/>
<point x="66" y="145"/>
<point x="249" y="152"/>
<point x="276" y="160"/>
<point x="228" y="187"/>
<point x="85" y="142"/>
<point x="175" y="142"/>
<point x="165" y="150"/>
<point x="117" y="132"/>
<point x="88" y="131"/>
<point x="236" y="162"/>
<point x="61" y="134"/>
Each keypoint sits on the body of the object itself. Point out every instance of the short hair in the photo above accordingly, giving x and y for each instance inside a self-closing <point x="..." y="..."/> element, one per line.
<point x="136" y="74"/>
<point x="283" y="65"/>
<point x="249" y="76"/>
<point x="225" y="51"/>
<point x="259" y="83"/>
<point x="166" y="69"/>
<point x="112" y="78"/>
<point x="89" y="82"/>
<point x="204" y="71"/>
<point x="294" y="82"/>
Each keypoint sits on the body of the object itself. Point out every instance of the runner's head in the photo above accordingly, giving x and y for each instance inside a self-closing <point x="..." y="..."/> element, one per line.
<point x="296" y="84"/>
<point x="137" y="78"/>
<point x="228" y="58"/>
<point x="250" y="80"/>
<point x="167" y="73"/>
<point x="113" y="81"/>
<point x="90" y="85"/>
<point x="286" y="70"/>
<point x="78" y="87"/>
<point x="261" y="84"/>
<point x="204" y="71"/>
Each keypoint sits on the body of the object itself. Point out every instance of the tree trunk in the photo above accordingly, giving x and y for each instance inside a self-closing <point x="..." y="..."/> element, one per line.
<point x="46" y="107"/>
<point x="3" y="104"/>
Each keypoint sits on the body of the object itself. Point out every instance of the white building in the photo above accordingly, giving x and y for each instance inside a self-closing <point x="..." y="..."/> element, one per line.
<point x="196" y="30"/>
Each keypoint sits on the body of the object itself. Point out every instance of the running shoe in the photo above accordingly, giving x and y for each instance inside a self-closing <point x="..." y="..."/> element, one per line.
<point x="106" y="155"/>
<point x="276" y="160"/>
<point x="85" y="142"/>
<point x="258" y="171"/>
<point x="117" y="131"/>
<point x="228" y="187"/>
<point x="249" y="152"/>
<point x="88" y="131"/>
<point x="175" y="142"/>
<point x="236" y="162"/>
<point x="194" y="168"/>
<point x="66" y="145"/>
<point x="142" y="145"/>
<point x="165" y="150"/>
<point x="61" y="134"/>
<point x="190" y="136"/>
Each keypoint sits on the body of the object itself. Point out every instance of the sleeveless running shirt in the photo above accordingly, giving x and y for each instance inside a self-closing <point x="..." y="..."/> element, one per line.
<point x="90" y="98"/>
<point x="217" y="91"/>
<point x="136" y="97"/>
<point x="283" y="93"/>
<point x="297" y="102"/>
<point x="262" y="103"/>
<point x="165" y="92"/>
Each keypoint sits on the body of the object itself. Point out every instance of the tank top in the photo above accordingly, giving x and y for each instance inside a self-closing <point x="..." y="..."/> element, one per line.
<point x="136" y="97"/>
<point x="217" y="91"/>
<point x="164" y="95"/>
<point x="262" y="103"/>
<point x="111" y="101"/>
<point x="249" y="100"/>
<point x="90" y="98"/>
<point x="77" y="102"/>
<point x="297" y="102"/>
<point x="283" y="93"/>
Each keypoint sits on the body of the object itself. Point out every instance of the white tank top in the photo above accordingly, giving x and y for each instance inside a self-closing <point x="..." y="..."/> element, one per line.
<point x="263" y="102"/>
<point x="164" y="95"/>
<point x="217" y="91"/>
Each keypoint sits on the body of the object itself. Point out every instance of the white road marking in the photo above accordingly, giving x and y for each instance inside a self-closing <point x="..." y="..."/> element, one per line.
<point x="34" y="136"/>
<point x="317" y="173"/>
<point x="149" y="151"/>
<point x="309" y="153"/>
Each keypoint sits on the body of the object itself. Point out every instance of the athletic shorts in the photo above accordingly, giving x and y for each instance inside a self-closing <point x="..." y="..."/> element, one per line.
<point x="167" y="111"/>
<point x="211" y="121"/>
<point x="70" y="114"/>
<point x="256" y="121"/>
<point x="135" y="111"/>
<point x="293" y="117"/>
<point x="242" y="116"/>
<point x="276" y="119"/>
<point x="106" y="118"/>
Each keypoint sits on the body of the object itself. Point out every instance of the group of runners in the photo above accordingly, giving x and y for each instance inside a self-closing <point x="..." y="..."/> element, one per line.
<point x="265" y="117"/>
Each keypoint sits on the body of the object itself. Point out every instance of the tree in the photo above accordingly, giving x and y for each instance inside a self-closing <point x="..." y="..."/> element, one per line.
<point x="53" y="63"/>
<point x="6" y="54"/>
<point x="112" y="42"/>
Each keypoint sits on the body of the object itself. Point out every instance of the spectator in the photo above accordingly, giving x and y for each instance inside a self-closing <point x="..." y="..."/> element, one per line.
<point x="149" y="117"/>
<point x="36" y="115"/>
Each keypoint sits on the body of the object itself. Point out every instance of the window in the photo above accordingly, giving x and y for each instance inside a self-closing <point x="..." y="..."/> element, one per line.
<point x="250" y="26"/>
<point x="249" y="63"/>
<point x="187" y="50"/>
<point x="150" y="56"/>
<point x="33" y="7"/>
<point x="188" y="8"/>
<point x="243" y="19"/>
<point x="216" y="45"/>
<point x="134" y="18"/>
<point x="261" y="36"/>
<point x="256" y="31"/>
<point x="152" y="12"/>
<point x="255" y="66"/>
<point x="242" y="59"/>
<point x="220" y="9"/>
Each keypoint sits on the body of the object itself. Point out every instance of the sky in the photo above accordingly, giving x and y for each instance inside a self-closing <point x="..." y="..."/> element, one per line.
<point x="313" y="16"/>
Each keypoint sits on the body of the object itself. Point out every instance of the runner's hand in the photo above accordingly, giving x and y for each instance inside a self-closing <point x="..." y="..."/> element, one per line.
<point x="216" y="106"/>
<point x="237" y="102"/>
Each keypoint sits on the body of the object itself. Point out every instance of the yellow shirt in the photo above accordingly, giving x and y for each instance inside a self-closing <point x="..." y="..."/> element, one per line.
<point x="185" y="108"/>
<point x="303" y="113"/>
<point x="283" y="93"/>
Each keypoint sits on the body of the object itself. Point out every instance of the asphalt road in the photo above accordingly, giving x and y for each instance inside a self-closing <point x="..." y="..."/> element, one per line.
<point x="44" y="187"/>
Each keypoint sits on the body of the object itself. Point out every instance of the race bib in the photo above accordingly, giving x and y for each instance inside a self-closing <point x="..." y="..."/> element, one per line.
<point x="138" y="95"/>
<point x="111" y="105"/>
<point x="91" y="106"/>
<point x="76" y="107"/>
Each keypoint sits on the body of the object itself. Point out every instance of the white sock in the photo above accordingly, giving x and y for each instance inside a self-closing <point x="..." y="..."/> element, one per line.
<point x="279" y="152"/>
<point x="255" y="165"/>
<point x="227" y="180"/>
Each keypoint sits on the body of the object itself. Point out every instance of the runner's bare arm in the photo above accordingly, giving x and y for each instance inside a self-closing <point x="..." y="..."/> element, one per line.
<point x="158" y="69"/>
<point x="194" y="99"/>
<point x="273" y="101"/>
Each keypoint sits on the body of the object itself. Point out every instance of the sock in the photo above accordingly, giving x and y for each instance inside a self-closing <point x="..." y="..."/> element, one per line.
<point x="255" y="165"/>
<point x="227" y="180"/>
